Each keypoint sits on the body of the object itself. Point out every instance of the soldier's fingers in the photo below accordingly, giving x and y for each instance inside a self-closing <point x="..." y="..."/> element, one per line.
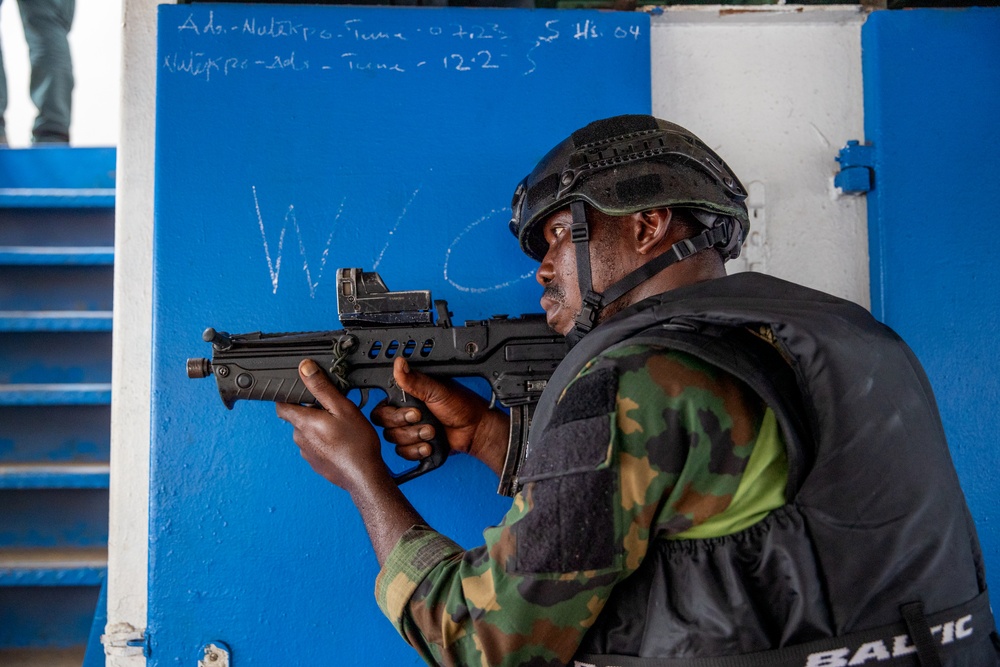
<point x="290" y="413"/>
<point x="410" y="435"/>
<point x="414" y="452"/>
<point x="388" y="416"/>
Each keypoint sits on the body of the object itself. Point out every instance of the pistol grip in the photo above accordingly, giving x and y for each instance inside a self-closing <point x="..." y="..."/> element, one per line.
<point x="439" y="443"/>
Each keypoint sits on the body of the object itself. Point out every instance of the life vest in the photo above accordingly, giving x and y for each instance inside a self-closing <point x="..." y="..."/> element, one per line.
<point x="873" y="560"/>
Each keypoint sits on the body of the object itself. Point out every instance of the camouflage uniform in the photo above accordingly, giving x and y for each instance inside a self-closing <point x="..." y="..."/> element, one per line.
<point x="645" y="442"/>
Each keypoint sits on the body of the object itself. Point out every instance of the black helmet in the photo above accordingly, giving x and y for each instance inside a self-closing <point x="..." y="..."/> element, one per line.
<point x="624" y="165"/>
<point x="627" y="164"/>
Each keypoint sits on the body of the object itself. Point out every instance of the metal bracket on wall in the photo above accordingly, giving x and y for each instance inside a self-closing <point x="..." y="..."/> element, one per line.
<point x="123" y="639"/>
<point x="216" y="655"/>
<point x="857" y="168"/>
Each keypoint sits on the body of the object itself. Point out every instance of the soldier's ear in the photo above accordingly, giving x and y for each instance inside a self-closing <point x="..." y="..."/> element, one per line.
<point x="650" y="229"/>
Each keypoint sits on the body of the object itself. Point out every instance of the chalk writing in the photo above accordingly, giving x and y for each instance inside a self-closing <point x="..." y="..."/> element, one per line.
<point x="447" y="258"/>
<point x="482" y="60"/>
<point x="399" y="220"/>
<point x="353" y="27"/>
<point x="196" y="64"/>
<point x="313" y="271"/>
<point x="200" y="65"/>
<point x="284" y="63"/>
<point x="586" y="30"/>
<point x="551" y="33"/>
<point x="274" y="266"/>
<point x="361" y="45"/>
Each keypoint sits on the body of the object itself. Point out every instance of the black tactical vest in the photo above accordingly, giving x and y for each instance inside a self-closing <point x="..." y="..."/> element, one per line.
<point x="875" y="535"/>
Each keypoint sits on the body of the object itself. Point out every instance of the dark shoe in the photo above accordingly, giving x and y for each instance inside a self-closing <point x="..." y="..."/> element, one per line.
<point x="50" y="138"/>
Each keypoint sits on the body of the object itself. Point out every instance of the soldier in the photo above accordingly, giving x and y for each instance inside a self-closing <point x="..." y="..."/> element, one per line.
<point x="721" y="470"/>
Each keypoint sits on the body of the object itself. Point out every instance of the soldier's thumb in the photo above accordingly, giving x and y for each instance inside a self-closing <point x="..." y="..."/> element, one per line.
<point x="319" y="385"/>
<point x="416" y="384"/>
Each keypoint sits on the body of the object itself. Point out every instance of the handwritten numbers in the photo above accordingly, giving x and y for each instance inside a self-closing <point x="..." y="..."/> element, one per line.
<point x="482" y="58"/>
<point x="552" y="34"/>
<point x="488" y="31"/>
<point x="489" y="57"/>
<point x="460" y="66"/>
<point x="632" y="31"/>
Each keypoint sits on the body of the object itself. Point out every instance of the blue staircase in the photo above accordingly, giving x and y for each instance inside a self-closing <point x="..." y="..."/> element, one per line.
<point x="56" y="267"/>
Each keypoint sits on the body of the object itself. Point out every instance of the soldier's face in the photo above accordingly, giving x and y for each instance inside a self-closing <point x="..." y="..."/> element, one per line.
<point x="561" y="298"/>
<point x="557" y="274"/>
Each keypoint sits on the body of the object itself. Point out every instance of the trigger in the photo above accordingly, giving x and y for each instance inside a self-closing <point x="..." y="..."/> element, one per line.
<point x="364" y="398"/>
<point x="493" y="400"/>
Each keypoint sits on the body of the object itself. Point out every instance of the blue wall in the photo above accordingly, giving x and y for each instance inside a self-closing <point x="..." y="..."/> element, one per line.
<point x="932" y="104"/>
<point x="291" y="142"/>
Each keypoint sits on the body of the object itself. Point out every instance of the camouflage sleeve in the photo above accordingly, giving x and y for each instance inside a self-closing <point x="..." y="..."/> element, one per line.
<point x="644" y="442"/>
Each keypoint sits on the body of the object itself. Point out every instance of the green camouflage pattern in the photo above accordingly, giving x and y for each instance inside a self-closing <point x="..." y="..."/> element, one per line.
<point x="683" y="434"/>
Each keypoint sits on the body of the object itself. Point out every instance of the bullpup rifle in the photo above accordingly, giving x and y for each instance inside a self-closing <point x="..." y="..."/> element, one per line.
<point x="515" y="355"/>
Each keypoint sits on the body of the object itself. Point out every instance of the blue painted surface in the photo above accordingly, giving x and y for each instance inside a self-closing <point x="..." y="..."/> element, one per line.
<point x="58" y="198"/>
<point x="54" y="357"/>
<point x="94" y="657"/>
<point x="932" y="100"/>
<point x="55" y="576"/>
<point x="32" y="434"/>
<point x="57" y="167"/>
<point x="55" y="394"/>
<point x="46" y="616"/>
<point x="53" y="518"/>
<point x="39" y="476"/>
<point x="57" y="256"/>
<point x="270" y="176"/>
<point x="67" y="287"/>
<point x="57" y="230"/>
<point x="57" y="321"/>
<point x="855" y="175"/>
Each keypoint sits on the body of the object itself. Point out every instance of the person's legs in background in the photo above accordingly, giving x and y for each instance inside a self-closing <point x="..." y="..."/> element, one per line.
<point x="46" y="27"/>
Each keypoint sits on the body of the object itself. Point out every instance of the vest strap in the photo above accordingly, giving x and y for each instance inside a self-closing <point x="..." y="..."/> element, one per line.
<point x="889" y="645"/>
<point x="920" y="631"/>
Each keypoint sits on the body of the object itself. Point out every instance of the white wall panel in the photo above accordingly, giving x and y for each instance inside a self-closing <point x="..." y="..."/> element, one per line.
<point x="776" y="92"/>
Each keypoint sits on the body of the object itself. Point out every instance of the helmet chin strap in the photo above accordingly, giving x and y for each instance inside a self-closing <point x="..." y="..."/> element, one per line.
<point x="593" y="302"/>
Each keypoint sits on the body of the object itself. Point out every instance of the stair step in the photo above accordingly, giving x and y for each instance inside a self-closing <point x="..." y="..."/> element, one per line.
<point x="57" y="197"/>
<point x="56" y="255"/>
<point x="54" y="475"/>
<point x="55" y="434"/>
<point x="55" y="320"/>
<point x="43" y="657"/>
<point x="55" y="394"/>
<point x="53" y="567"/>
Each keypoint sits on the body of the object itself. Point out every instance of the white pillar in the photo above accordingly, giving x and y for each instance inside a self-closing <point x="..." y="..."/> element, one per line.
<point x="131" y="354"/>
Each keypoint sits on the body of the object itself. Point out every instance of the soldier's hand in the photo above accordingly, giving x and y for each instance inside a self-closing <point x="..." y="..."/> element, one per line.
<point x="338" y="442"/>
<point x="470" y="426"/>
